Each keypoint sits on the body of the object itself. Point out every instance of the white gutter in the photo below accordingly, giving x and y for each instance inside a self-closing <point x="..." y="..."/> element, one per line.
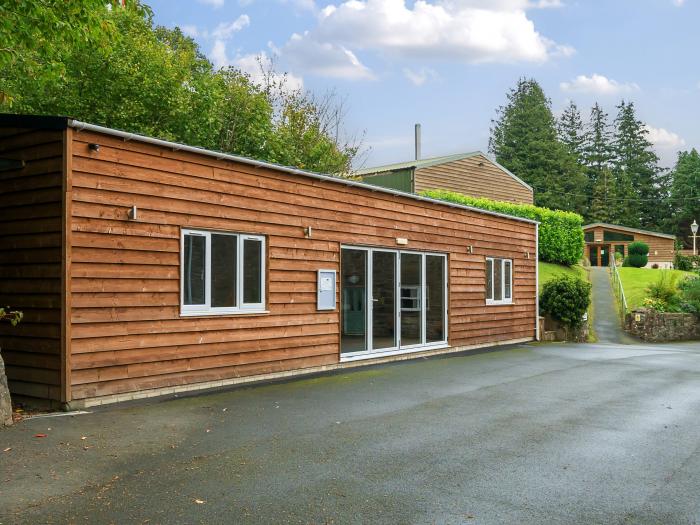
<point x="84" y="126"/>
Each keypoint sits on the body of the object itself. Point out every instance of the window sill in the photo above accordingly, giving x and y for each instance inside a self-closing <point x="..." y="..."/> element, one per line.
<point x="245" y="313"/>
<point x="498" y="303"/>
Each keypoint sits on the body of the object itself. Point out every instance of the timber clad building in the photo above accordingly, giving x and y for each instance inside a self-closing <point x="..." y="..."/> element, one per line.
<point x="146" y="267"/>
<point x="603" y="240"/>
<point x="472" y="174"/>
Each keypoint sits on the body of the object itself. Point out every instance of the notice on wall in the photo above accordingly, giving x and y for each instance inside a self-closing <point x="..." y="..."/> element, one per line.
<point x="326" y="290"/>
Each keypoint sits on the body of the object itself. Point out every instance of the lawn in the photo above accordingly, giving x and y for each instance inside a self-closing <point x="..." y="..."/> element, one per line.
<point x="549" y="271"/>
<point x="636" y="280"/>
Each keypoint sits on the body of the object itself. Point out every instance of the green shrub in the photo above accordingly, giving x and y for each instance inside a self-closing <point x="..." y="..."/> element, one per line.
<point x="626" y="262"/>
<point x="566" y="299"/>
<point x="664" y="293"/>
<point x="560" y="233"/>
<point x="690" y="295"/>
<point x="636" y="260"/>
<point x="638" y="248"/>
<point x="682" y="262"/>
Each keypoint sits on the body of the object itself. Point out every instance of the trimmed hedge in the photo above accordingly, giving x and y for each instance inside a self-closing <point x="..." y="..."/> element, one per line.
<point x="561" y="232"/>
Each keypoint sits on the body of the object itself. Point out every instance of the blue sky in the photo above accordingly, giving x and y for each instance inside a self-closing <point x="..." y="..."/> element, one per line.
<point x="448" y="63"/>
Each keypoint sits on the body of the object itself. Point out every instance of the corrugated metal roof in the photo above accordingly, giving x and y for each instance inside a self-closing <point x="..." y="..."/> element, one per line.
<point x="421" y="163"/>
<point x="627" y="229"/>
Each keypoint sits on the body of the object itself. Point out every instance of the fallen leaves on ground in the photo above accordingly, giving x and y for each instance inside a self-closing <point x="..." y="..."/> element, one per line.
<point x="40" y="435"/>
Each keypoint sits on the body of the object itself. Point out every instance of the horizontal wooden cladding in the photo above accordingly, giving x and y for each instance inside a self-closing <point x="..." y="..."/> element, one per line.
<point x="30" y="260"/>
<point x="153" y="340"/>
<point x="198" y="376"/>
<point x="163" y="366"/>
<point x="476" y="176"/>
<point x="127" y="332"/>
<point x="125" y="357"/>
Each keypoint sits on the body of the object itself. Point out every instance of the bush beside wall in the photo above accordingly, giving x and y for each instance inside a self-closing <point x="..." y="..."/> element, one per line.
<point x="560" y="234"/>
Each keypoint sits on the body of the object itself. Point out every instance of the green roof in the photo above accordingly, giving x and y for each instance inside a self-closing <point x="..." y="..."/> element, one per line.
<point x="422" y="163"/>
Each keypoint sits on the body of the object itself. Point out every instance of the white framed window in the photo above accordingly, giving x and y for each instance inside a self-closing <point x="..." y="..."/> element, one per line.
<point x="221" y="273"/>
<point x="499" y="281"/>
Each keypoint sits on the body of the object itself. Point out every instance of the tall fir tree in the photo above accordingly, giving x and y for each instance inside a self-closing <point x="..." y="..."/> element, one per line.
<point x="684" y="193"/>
<point x="571" y="132"/>
<point x="639" y="182"/>
<point x="598" y="158"/>
<point x="524" y="140"/>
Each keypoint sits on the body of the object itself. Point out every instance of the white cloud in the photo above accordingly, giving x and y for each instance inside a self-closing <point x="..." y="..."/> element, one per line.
<point x="598" y="85"/>
<point x="678" y="3"/>
<point x="259" y="65"/>
<point x="190" y="30"/>
<point x="473" y="31"/>
<point x="226" y="29"/>
<point x="213" y="3"/>
<point x="420" y="77"/>
<point x="324" y="58"/>
<point x="664" y="139"/>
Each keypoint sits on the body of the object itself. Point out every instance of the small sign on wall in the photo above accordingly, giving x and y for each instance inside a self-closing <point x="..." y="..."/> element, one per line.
<point x="325" y="290"/>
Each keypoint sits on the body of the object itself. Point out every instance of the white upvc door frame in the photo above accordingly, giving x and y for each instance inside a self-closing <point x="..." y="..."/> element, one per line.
<point x="398" y="348"/>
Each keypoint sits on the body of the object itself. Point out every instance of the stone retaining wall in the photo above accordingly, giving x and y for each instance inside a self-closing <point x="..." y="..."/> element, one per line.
<point x="658" y="327"/>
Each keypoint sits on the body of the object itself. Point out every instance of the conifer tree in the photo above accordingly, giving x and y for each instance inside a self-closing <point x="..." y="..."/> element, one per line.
<point x="637" y="172"/>
<point x="598" y="158"/>
<point x="685" y="193"/>
<point x="570" y="129"/>
<point x="524" y="140"/>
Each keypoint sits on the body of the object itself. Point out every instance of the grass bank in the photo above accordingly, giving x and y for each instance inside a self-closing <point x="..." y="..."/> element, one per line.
<point x="635" y="281"/>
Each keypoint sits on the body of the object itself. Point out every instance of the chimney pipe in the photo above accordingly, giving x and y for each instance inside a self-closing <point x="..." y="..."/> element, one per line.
<point x="417" y="141"/>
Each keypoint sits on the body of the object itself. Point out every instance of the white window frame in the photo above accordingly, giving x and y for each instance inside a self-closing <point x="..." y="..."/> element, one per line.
<point x="241" y="307"/>
<point x="502" y="262"/>
<point x="399" y="348"/>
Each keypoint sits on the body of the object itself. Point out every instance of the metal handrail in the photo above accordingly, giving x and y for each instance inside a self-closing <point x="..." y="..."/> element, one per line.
<point x="619" y="290"/>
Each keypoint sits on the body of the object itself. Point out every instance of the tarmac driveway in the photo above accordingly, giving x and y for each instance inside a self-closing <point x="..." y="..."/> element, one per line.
<point x="527" y="434"/>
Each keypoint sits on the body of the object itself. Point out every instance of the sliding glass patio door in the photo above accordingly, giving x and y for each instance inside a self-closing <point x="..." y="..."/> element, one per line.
<point x="391" y="300"/>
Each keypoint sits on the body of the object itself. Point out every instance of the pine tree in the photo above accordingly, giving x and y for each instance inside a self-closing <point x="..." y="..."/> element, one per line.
<point x="524" y="140"/>
<point x="598" y="158"/>
<point x="637" y="171"/>
<point x="685" y="193"/>
<point x="570" y="129"/>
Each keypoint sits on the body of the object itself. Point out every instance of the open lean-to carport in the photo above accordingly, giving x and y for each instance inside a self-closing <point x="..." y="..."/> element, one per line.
<point x="146" y="267"/>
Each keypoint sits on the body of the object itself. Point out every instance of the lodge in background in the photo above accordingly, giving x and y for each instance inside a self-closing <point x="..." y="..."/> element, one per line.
<point x="146" y="267"/>
<point x="603" y="240"/>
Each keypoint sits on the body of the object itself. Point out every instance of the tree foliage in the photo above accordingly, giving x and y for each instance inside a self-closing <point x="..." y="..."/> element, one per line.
<point x="156" y="81"/>
<point x="524" y="139"/>
<point x="685" y="192"/>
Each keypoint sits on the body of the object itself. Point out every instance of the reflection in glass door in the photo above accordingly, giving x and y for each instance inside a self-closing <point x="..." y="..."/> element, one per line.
<point x="411" y="299"/>
<point x="383" y="300"/>
<point x="435" y="298"/>
<point x="354" y="301"/>
<point x="391" y="300"/>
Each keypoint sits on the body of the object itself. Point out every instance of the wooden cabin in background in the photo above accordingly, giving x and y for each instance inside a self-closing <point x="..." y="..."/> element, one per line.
<point x="146" y="267"/>
<point x="472" y="174"/>
<point x="603" y="240"/>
